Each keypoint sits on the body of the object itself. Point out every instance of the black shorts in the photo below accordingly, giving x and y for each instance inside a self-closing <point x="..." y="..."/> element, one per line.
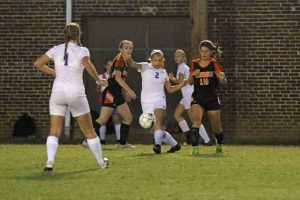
<point x="209" y="103"/>
<point x="112" y="98"/>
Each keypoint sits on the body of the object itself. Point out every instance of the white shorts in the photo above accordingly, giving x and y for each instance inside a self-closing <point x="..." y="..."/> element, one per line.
<point x="186" y="102"/>
<point x="149" y="107"/>
<point x="60" y="101"/>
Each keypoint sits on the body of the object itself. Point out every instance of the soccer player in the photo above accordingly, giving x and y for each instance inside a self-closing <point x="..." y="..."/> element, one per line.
<point x="118" y="93"/>
<point x="153" y="98"/>
<point x="206" y="75"/>
<point x="70" y="59"/>
<point x="115" y="116"/>
<point x="183" y="72"/>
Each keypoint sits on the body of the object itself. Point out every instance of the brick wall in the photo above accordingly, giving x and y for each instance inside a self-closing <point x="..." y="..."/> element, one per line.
<point x="260" y="39"/>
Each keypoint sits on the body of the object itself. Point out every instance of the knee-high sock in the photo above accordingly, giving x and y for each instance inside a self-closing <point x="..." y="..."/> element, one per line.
<point x="195" y="136"/>
<point x="158" y="136"/>
<point x="203" y="134"/>
<point x="102" y="131"/>
<point x="51" y="145"/>
<point x="184" y="126"/>
<point x="124" y="130"/>
<point x="220" y="137"/>
<point x="168" y="139"/>
<point x="118" y="129"/>
<point x="95" y="147"/>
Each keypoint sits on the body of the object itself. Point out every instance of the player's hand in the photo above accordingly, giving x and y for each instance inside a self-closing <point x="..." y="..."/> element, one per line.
<point x="221" y="76"/>
<point x="126" y="96"/>
<point x="183" y="83"/>
<point x="102" y="82"/>
<point x="196" y="72"/>
<point x="171" y="76"/>
<point x="131" y="94"/>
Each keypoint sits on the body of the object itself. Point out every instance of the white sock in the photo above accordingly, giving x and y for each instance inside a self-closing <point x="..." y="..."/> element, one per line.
<point x="102" y="131"/>
<point x="158" y="136"/>
<point x="95" y="147"/>
<point x="51" y="145"/>
<point x="168" y="139"/>
<point x="184" y="126"/>
<point x="117" y="129"/>
<point x="203" y="134"/>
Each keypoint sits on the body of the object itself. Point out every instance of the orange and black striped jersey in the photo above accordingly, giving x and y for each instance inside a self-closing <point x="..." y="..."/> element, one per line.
<point x="206" y="82"/>
<point x="118" y="65"/>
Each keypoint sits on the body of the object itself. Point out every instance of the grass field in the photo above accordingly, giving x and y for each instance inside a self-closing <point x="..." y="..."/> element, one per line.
<point x="243" y="172"/>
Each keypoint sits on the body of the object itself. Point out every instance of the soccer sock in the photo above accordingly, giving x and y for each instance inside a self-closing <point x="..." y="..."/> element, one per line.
<point x="168" y="139"/>
<point x="124" y="133"/>
<point x="51" y="145"/>
<point x="203" y="134"/>
<point x="195" y="136"/>
<point x="219" y="137"/>
<point x="95" y="147"/>
<point x="102" y="131"/>
<point x="158" y="136"/>
<point x="117" y="129"/>
<point x="184" y="126"/>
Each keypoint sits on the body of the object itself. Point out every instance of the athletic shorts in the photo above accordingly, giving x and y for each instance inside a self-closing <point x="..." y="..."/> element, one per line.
<point x="112" y="98"/>
<point x="149" y="107"/>
<point x="186" y="102"/>
<point x="61" y="100"/>
<point x="208" y="103"/>
<point x="115" y="112"/>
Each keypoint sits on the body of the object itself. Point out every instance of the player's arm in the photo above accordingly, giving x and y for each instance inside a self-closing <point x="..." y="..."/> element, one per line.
<point x="86" y="62"/>
<point x="130" y="62"/>
<point x="41" y="62"/>
<point x="221" y="75"/>
<point x="176" y="80"/>
<point x="125" y="87"/>
<point x="175" y="88"/>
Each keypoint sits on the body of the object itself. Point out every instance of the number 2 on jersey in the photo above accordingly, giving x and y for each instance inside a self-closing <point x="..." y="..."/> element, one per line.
<point x="66" y="59"/>
<point x="156" y="75"/>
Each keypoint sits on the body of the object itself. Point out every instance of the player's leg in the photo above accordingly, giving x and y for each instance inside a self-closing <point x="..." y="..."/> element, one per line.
<point x="57" y="125"/>
<point x="86" y="126"/>
<point x="117" y="123"/>
<point x="180" y="109"/>
<point x="196" y="116"/>
<point x="126" y="115"/>
<point x="215" y="120"/>
<point x="158" y="132"/>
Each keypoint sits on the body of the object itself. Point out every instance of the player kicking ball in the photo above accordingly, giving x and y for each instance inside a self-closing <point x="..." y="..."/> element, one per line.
<point x="153" y="98"/>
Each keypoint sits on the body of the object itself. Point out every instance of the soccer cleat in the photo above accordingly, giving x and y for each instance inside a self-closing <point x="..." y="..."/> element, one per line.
<point x="195" y="150"/>
<point x="104" y="164"/>
<point x="49" y="166"/>
<point x="85" y="144"/>
<point x="177" y="147"/>
<point x="157" y="149"/>
<point x="124" y="146"/>
<point x="209" y="143"/>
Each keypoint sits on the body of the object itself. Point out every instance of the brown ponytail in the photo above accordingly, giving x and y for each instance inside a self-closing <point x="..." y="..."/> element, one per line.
<point x="71" y="32"/>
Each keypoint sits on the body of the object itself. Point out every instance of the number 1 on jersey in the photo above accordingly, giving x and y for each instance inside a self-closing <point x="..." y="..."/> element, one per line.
<point x="66" y="59"/>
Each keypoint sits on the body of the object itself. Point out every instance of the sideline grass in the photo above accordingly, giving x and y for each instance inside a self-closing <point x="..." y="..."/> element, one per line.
<point x="243" y="172"/>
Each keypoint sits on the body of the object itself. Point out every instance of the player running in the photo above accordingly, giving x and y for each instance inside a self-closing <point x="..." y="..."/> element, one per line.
<point x="70" y="59"/>
<point x="153" y="98"/>
<point x="183" y="72"/>
<point x="117" y="93"/>
<point x="206" y="74"/>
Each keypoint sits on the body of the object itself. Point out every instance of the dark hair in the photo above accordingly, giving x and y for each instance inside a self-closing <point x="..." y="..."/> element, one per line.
<point x="71" y="32"/>
<point x="215" y="49"/>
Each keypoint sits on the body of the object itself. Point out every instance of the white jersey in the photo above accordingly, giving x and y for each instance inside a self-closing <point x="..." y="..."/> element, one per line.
<point x="188" y="89"/>
<point x="69" y="71"/>
<point x="153" y="83"/>
<point x="105" y="76"/>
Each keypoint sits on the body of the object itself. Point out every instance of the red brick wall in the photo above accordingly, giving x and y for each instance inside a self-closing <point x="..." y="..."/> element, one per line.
<point x="260" y="39"/>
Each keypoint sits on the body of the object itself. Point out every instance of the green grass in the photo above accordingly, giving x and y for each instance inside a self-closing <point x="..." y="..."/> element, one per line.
<point x="243" y="172"/>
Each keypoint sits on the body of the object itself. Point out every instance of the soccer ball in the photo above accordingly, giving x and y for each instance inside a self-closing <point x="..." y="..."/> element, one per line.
<point x="147" y="120"/>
